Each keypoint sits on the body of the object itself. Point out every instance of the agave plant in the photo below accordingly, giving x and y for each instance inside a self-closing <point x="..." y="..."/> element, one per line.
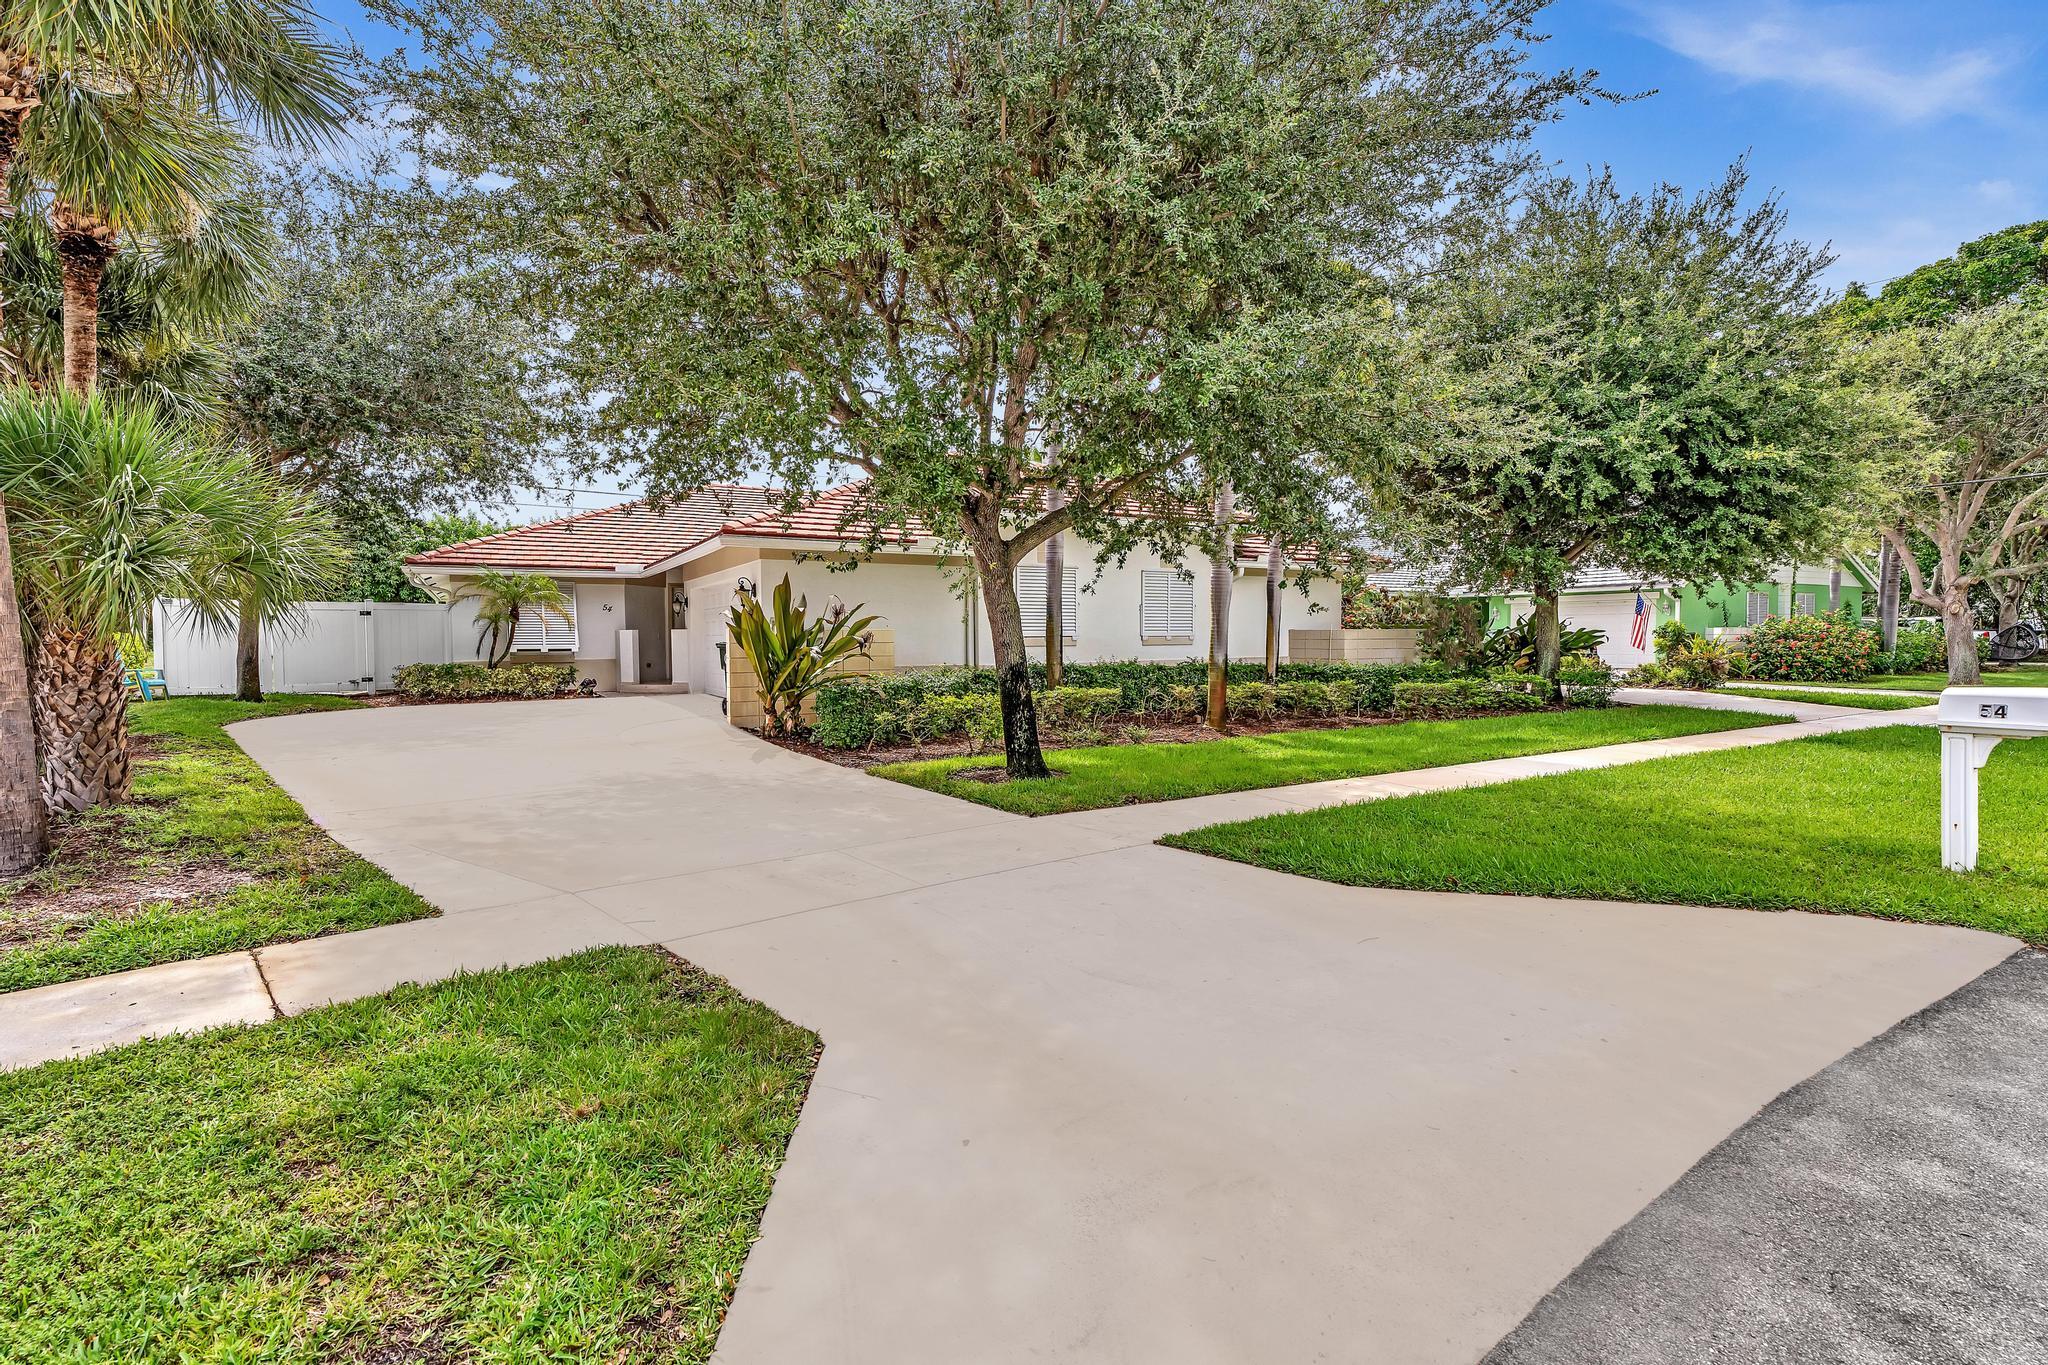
<point x="792" y="654"/>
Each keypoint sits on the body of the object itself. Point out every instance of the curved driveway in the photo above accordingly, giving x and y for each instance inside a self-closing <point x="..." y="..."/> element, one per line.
<point x="1084" y="1098"/>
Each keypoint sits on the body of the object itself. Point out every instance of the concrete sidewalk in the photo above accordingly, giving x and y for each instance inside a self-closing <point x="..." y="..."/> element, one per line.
<point x="1083" y="1097"/>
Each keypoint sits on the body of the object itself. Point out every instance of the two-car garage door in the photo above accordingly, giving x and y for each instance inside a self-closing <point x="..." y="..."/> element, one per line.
<point x="1612" y="612"/>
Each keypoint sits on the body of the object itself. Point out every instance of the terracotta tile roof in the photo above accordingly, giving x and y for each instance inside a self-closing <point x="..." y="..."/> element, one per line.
<point x="609" y="538"/>
<point x="636" y="534"/>
<point x="836" y="515"/>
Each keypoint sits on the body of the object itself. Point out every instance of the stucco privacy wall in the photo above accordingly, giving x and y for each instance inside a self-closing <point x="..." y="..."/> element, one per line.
<point x="1353" y="646"/>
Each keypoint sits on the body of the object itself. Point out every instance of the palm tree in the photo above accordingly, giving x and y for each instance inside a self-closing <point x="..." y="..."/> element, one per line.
<point x="256" y="60"/>
<point x="502" y="599"/>
<point x="1276" y="577"/>
<point x="117" y="506"/>
<point x="1219" y="606"/>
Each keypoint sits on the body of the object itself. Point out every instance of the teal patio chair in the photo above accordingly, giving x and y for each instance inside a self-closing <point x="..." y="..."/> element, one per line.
<point x="144" y="683"/>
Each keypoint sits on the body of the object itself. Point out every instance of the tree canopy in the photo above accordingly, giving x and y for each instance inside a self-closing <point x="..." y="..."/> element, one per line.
<point x="975" y="252"/>
<point x="1637" y="381"/>
<point x="1992" y="269"/>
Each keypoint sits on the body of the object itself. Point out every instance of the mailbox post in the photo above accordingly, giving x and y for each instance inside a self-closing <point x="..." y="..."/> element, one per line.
<point x="1972" y="721"/>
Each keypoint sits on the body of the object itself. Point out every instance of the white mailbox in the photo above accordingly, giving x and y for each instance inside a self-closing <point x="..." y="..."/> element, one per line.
<point x="1973" y="720"/>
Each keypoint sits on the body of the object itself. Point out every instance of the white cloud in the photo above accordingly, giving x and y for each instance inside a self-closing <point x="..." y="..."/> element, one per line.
<point x="1816" y="49"/>
<point x="2000" y="191"/>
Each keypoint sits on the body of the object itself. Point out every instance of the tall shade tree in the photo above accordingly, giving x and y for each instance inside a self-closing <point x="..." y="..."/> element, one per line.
<point x="1651" y="394"/>
<point x="974" y="252"/>
<point x="377" y="372"/>
<point x="116" y="507"/>
<point x="1955" y="453"/>
<point x="1994" y="268"/>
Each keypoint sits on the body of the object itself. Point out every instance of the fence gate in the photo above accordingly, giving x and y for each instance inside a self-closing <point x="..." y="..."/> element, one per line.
<point x="332" y="649"/>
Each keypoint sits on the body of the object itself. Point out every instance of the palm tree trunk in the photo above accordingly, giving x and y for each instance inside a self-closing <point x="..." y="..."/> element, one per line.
<point x="84" y="246"/>
<point x="1276" y="571"/>
<point x="81" y="710"/>
<point x="1888" y="598"/>
<point x="1835" y="587"/>
<point x="249" y="652"/>
<point x="24" y="821"/>
<point x="1219" y="609"/>
<point x="1055" y="600"/>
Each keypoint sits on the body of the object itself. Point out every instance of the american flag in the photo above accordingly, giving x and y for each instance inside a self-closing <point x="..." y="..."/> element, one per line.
<point x="1639" y="633"/>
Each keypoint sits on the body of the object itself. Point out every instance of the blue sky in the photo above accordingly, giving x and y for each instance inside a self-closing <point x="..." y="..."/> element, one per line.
<point x="1894" y="129"/>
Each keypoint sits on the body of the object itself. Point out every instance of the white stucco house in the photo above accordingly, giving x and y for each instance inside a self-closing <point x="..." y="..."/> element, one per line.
<point x="651" y="587"/>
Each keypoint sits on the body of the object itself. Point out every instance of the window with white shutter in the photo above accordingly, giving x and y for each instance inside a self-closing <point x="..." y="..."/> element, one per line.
<point x="1166" y="610"/>
<point x="1804" y="604"/>
<point x="1759" y="607"/>
<point x="1031" y="598"/>
<point x="547" y="632"/>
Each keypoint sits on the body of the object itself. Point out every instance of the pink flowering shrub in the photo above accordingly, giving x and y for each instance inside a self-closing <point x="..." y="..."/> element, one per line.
<point x="1826" y="648"/>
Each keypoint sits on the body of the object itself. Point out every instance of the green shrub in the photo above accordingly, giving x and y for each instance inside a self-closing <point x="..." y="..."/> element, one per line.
<point x="1671" y="637"/>
<point x="976" y="717"/>
<point x="1467" y="696"/>
<point x="1702" y="664"/>
<point x="1651" y="674"/>
<point x="1922" y="647"/>
<point x="1344" y="694"/>
<point x="1186" y="699"/>
<point x="1252" y="700"/>
<point x="1304" y="698"/>
<point x="1823" y="648"/>
<point x="1586" y="681"/>
<point x="463" y="681"/>
<point x="1068" y="706"/>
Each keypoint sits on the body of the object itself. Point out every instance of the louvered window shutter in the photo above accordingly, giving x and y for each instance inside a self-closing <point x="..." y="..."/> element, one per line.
<point x="547" y="632"/>
<point x="1031" y="601"/>
<point x="1167" y="608"/>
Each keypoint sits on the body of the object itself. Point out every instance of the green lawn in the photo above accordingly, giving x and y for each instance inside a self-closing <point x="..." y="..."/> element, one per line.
<point x="565" y="1162"/>
<point x="1935" y="682"/>
<point x="1846" y="823"/>
<point x="1127" y="774"/>
<point x="204" y="818"/>
<point x="1869" y="701"/>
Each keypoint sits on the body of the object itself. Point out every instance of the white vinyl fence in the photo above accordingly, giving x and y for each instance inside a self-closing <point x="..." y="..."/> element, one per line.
<point x="332" y="647"/>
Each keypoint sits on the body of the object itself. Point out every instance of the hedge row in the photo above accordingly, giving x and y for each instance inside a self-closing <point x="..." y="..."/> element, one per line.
<point x="456" y="682"/>
<point x="890" y="708"/>
<point x="1466" y="696"/>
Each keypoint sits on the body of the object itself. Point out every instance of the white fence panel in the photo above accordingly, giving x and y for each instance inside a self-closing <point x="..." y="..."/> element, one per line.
<point x="332" y="647"/>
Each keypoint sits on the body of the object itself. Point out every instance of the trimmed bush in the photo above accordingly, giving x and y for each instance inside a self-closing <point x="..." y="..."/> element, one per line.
<point x="466" y="681"/>
<point x="976" y="717"/>
<point x="1466" y="696"/>
<point x="1251" y="700"/>
<point x="1824" y="648"/>
<point x="1586" y="682"/>
<point x="1063" y="707"/>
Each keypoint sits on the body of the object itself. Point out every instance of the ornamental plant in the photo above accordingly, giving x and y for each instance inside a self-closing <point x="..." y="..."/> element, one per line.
<point x="792" y="654"/>
<point x="1823" y="648"/>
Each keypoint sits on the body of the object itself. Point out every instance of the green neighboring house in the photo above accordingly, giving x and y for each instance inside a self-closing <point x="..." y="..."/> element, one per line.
<point x="1605" y="599"/>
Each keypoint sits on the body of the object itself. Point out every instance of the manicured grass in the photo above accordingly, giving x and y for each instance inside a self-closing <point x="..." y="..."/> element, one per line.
<point x="1869" y="701"/>
<point x="205" y="820"/>
<point x="1127" y="774"/>
<point x="1846" y="823"/>
<point x="1935" y="682"/>
<point x="565" y="1162"/>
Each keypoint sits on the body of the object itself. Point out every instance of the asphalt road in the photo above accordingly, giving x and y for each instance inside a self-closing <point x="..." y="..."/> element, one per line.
<point x="1894" y="1208"/>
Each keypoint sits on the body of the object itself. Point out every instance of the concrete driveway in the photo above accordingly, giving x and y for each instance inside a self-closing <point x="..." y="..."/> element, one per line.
<point x="1088" y="1099"/>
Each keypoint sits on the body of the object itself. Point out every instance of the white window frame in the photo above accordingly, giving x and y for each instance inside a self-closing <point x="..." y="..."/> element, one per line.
<point x="1806" y="604"/>
<point x="1166" y="607"/>
<point x="548" y="632"/>
<point x="1759" y="607"/>
<point x="1031" y="601"/>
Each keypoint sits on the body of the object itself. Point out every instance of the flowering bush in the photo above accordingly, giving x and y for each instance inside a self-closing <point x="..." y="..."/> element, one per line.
<point x="1825" y="648"/>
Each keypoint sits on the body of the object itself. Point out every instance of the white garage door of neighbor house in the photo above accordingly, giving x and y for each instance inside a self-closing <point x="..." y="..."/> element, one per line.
<point x="1614" y="613"/>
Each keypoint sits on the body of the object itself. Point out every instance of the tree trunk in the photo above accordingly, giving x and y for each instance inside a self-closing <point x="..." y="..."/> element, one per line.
<point x="84" y="246"/>
<point x="1792" y="591"/>
<point x="1219" y="610"/>
<point x="24" y="822"/>
<point x="1888" y="598"/>
<point x="1960" y="628"/>
<point x="1021" y="754"/>
<point x="81" y="710"/>
<point x="1545" y="632"/>
<point x="1055" y="601"/>
<point x="1276" y="572"/>
<point x="1835" y="587"/>
<point x="2009" y="602"/>
<point x="249" y="652"/>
